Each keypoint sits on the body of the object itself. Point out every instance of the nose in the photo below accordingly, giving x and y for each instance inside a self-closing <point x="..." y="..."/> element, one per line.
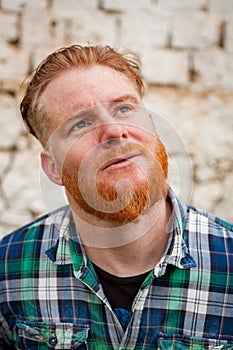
<point x="113" y="133"/>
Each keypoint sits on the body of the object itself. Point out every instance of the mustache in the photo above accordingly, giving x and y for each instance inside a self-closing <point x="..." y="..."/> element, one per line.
<point x="119" y="153"/>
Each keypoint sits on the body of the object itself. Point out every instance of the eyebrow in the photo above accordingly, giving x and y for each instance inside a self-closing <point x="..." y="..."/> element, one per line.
<point x="83" y="112"/>
<point x="128" y="97"/>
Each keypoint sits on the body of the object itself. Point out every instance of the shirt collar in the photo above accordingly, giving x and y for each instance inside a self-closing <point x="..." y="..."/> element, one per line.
<point x="68" y="251"/>
<point x="62" y="222"/>
<point x="177" y="252"/>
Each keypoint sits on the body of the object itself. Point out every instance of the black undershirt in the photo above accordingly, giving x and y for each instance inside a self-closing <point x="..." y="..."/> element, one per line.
<point x="120" y="291"/>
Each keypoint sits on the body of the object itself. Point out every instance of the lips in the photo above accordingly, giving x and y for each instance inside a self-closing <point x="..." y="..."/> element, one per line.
<point x="119" y="160"/>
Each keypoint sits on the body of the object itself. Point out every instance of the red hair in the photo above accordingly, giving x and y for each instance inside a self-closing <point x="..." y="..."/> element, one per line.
<point x="75" y="56"/>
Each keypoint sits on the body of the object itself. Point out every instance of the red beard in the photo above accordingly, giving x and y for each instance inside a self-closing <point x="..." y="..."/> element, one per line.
<point x="101" y="198"/>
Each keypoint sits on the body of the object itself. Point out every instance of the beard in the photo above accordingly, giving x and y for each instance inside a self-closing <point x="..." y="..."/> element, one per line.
<point x="122" y="196"/>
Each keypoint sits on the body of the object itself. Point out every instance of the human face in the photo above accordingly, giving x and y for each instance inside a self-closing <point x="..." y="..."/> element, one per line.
<point x="101" y="138"/>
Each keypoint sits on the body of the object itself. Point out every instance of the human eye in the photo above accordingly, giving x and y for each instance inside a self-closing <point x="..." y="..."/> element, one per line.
<point x="81" y="124"/>
<point x="122" y="110"/>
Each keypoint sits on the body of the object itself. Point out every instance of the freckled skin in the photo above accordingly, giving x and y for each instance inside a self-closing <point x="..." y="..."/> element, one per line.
<point x="75" y="90"/>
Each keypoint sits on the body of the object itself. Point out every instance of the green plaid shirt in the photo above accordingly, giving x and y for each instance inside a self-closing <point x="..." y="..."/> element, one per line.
<point x="50" y="296"/>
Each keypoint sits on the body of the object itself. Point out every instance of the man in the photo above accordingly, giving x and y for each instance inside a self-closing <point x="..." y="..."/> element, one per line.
<point x="126" y="265"/>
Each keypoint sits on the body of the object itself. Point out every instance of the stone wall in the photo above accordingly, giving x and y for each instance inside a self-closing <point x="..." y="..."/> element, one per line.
<point x="187" y="52"/>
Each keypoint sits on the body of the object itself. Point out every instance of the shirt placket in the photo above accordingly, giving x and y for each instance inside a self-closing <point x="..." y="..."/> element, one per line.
<point x="129" y="339"/>
<point x="115" y="331"/>
<point x="84" y="272"/>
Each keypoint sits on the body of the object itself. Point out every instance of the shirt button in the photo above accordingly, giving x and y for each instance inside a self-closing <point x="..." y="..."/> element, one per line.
<point x="53" y="340"/>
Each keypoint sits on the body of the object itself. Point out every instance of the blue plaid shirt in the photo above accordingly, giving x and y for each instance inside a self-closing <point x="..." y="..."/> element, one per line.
<point x="50" y="296"/>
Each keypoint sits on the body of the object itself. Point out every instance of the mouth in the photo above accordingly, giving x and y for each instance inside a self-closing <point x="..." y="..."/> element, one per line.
<point x="119" y="161"/>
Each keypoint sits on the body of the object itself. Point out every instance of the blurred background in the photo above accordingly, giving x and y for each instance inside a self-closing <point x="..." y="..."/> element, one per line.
<point x="186" y="48"/>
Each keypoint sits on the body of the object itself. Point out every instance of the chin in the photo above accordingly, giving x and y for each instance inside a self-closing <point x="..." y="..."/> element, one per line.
<point x="121" y="196"/>
<point x="123" y="206"/>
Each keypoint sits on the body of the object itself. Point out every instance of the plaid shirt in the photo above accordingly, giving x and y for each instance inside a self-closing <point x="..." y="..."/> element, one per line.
<point x="50" y="296"/>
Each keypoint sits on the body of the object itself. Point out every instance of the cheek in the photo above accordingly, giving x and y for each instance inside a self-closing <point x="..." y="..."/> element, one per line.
<point x="78" y="152"/>
<point x="147" y="140"/>
<point x="153" y="144"/>
<point x="73" y="158"/>
<point x="161" y="155"/>
<point x="72" y="162"/>
<point x="144" y="136"/>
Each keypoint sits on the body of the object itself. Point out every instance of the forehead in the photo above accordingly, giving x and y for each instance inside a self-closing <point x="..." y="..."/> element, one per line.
<point x="82" y="88"/>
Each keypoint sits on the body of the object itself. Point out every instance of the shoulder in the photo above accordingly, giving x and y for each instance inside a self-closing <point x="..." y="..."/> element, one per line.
<point x="197" y="221"/>
<point x="43" y="229"/>
<point x="200" y="220"/>
<point x="209" y="236"/>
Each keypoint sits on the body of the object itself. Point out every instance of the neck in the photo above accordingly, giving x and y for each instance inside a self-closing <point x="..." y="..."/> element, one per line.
<point x="130" y="249"/>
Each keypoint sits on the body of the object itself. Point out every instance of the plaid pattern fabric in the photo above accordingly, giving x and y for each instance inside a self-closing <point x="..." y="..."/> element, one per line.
<point x="50" y="296"/>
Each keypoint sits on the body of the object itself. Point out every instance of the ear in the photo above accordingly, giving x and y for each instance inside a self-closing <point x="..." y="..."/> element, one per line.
<point x="50" y="167"/>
